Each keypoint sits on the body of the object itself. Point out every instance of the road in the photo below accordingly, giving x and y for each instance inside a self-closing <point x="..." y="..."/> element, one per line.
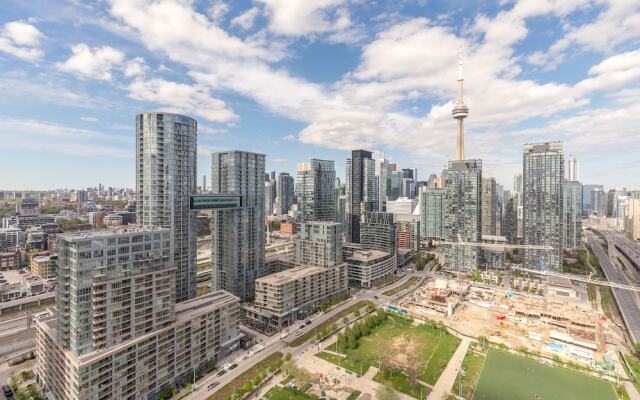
<point x="13" y="325"/>
<point x="626" y="300"/>
<point x="281" y="344"/>
<point x="628" y="248"/>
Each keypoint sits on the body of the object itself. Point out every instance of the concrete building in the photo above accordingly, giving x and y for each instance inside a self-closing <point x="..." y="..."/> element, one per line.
<point x="361" y="190"/>
<point x="489" y="207"/>
<point x="403" y="205"/>
<point x="543" y="177"/>
<point x="237" y="252"/>
<point x="518" y="206"/>
<point x="366" y="266"/>
<point x="44" y="267"/>
<point x="598" y="202"/>
<point x="318" y="244"/>
<point x="378" y="232"/>
<point x="586" y="198"/>
<point x="382" y="179"/>
<point x="432" y="208"/>
<point x="632" y="225"/>
<point x="27" y="207"/>
<point x="269" y="197"/>
<point x="284" y="297"/>
<point x="10" y="259"/>
<point x="315" y="190"/>
<point x="166" y="158"/>
<point x="284" y="193"/>
<point x="463" y="212"/>
<point x="10" y="238"/>
<point x="117" y="332"/>
<point x="407" y="232"/>
<point x="24" y="222"/>
<point x="572" y="209"/>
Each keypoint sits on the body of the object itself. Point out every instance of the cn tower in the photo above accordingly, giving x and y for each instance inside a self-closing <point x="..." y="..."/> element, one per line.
<point x="460" y="112"/>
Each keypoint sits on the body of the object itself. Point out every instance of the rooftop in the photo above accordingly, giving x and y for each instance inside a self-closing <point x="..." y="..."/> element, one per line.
<point x="290" y="275"/>
<point x="110" y="232"/>
<point x="367" y="255"/>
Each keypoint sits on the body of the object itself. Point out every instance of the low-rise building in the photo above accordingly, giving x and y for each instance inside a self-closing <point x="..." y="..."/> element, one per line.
<point x="44" y="267"/>
<point x="283" y="297"/>
<point x="365" y="266"/>
<point x="10" y="259"/>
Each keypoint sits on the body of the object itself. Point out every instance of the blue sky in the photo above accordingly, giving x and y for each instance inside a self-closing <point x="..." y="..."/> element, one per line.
<point x="303" y="79"/>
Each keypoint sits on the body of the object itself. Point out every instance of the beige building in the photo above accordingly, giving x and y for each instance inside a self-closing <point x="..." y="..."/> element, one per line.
<point x="117" y="332"/>
<point x="283" y="297"/>
<point x="632" y="225"/>
<point x="44" y="266"/>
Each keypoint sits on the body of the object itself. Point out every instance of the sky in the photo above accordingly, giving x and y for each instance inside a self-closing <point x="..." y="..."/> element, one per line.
<point x="315" y="79"/>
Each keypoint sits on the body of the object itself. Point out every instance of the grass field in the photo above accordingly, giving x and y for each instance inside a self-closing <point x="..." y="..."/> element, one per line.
<point x="506" y="376"/>
<point x="401" y="345"/>
<point x="472" y="365"/>
<point x="279" y="393"/>
<point x="402" y="287"/>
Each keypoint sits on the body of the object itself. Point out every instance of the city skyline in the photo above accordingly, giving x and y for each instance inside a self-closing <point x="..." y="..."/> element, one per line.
<point x="335" y="84"/>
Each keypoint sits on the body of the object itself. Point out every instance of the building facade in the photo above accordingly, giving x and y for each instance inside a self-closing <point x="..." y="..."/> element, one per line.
<point x="318" y="244"/>
<point x="117" y="332"/>
<point x="316" y="190"/>
<point x="378" y="232"/>
<point x="360" y="189"/>
<point x="284" y="193"/>
<point x="432" y="208"/>
<point x="237" y="252"/>
<point x="543" y="177"/>
<point x="284" y="297"/>
<point x="489" y="207"/>
<point x="463" y="213"/>
<point x="365" y="267"/>
<point x="166" y="158"/>
<point x="572" y="199"/>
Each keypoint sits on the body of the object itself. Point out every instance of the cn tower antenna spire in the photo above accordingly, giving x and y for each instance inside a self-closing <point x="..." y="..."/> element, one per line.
<point x="460" y="111"/>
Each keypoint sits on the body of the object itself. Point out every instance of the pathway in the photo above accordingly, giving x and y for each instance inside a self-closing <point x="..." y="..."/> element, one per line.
<point x="445" y="383"/>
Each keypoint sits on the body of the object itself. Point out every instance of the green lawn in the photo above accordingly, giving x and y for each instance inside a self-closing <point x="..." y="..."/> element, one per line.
<point x="400" y="382"/>
<point x="396" y="342"/>
<point x="506" y="376"/>
<point x="472" y="365"/>
<point x="402" y="287"/>
<point x="279" y="393"/>
<point x="244" y="377"/>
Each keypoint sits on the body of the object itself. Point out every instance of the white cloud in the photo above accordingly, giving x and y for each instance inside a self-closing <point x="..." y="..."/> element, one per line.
<point x="182" y="98"/>
<point x="96" y="63"/>
<point x="21" y="40"/>
<point x="246" y="19"/>
<point x="50" y="137"/>
<point x="89" y="119"/>
<point x="218" y="10"/>
<point x="296" y="18"/>
<point x="618" y="23"/>
<point x="135" y="67"/>
<point x="614" y="72"/>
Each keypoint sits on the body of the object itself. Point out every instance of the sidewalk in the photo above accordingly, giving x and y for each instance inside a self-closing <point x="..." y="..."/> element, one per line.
<point x="446" y="381"/>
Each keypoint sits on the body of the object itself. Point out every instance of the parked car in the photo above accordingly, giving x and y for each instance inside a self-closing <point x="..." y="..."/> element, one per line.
<point x="298" y="333"/>
<point x="222" y="372"/>
<point x="232" y="366"/>
<point x="213" y="385"/>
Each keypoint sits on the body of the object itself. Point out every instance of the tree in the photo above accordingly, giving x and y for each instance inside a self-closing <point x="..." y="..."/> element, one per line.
<point x="386" y="393"/>
<point x="356" y="313"/>
<point x="345" y="320"/>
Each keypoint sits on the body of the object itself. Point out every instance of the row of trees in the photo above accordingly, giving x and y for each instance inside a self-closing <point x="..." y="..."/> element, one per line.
<point x="251" y="384"/>
<point x="23" y="393"/>
<point x="422" y="261"/>
<point x="349" y="339"/>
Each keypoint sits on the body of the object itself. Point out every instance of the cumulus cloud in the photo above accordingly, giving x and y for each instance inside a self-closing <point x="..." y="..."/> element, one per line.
<point x="297" y="18"/>
<point x="94" y="63"/>
<point x="21" y="40"/>
<point x="246" y="19"/>
<point x="182" y="98"/>
<point x="135" y="67"/>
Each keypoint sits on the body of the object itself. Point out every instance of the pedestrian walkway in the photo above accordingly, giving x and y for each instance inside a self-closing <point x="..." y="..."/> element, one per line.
<point x="445" y="383"/>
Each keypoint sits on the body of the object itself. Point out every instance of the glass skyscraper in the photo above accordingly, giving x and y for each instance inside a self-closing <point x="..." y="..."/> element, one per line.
<point x="237" y="253"/>
<point x="361" y="190"/>
<point x="463" y="215"/>
<point x="316" y="190"/>
<point x="542" y="197"/>
<point x="166" y="157"/>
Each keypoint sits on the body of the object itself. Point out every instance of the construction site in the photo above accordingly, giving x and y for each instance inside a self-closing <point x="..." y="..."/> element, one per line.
<point x="555" y="318"/>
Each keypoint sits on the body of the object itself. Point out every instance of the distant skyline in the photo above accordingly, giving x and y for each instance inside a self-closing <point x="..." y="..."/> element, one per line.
<point x="301" y="80"/>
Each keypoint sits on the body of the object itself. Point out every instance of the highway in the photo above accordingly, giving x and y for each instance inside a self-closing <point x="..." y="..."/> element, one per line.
<point x="627" y="301"/>
<point x="628" y="248"/>
<point x="276" y="344"/>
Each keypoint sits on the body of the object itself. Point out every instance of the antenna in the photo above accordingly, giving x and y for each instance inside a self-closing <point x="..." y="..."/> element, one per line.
<point x="460" y="63"/>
